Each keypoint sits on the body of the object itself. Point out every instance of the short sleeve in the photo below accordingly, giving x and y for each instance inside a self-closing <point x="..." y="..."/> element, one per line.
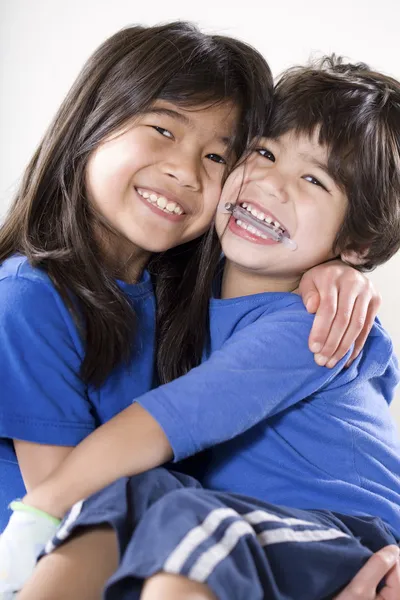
<point x="43" y="398"/>
<point x="261" y="371"/>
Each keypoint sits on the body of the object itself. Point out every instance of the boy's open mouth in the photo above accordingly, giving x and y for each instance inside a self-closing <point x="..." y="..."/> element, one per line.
<point x="262" y="217"/>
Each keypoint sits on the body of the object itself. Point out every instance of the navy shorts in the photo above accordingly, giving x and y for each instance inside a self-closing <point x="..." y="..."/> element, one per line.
<point x="240" y="547"/>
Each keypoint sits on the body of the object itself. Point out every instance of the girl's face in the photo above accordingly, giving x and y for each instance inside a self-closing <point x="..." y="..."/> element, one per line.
<point x="158" y="180"/>
<point x="286" y="180"/>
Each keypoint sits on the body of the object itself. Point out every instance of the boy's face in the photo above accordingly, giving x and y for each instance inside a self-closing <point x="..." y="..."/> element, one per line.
<point x="285" y="180"/>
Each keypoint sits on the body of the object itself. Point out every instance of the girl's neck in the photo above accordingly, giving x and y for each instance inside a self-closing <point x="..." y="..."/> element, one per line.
<point x="123" y="260"/>
<point x="237" y="281"/>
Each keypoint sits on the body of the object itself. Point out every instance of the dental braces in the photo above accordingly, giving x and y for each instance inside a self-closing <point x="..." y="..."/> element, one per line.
<point x="240" y="213"/>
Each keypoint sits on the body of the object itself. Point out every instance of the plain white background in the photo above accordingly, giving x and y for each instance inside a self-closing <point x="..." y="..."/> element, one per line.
<point x="44" y="43"/>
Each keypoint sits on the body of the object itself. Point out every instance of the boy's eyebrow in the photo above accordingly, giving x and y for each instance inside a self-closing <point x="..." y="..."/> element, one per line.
<point x="169" y="112"/>
<point x="317" y="163"/>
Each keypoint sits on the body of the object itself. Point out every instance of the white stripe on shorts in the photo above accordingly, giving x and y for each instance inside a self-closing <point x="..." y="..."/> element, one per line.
<point x="195" y="537"/>
<point x="285" y="534"/>
<point x="206" y="563"/>
<point x="64" y="530"/>
<point x="209" y="560"/>
<point x="261" y="516"/>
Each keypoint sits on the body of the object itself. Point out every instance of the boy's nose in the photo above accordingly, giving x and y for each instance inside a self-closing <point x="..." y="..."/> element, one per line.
<point x="275" y="185"/>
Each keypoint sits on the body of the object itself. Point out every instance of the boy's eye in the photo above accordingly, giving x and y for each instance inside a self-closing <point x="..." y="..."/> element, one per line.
<point x="217" y="158"/>
<point x="163" y="132"/>
<point x="266" y="153"/>
<point x="315" y="181"/>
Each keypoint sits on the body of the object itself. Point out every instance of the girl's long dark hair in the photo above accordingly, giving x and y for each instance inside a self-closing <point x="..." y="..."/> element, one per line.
<point x="51" y="222"/>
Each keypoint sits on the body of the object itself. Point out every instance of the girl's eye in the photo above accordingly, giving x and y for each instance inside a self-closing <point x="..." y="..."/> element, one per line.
<point x="163" y="132"/>
<point x="217" y="158"/>
<point x="315" y="181"/>
<point x="266" y="153"/>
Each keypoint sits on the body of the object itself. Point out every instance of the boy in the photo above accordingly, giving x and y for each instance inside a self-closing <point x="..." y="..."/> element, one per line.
<point x="313" y="449"/>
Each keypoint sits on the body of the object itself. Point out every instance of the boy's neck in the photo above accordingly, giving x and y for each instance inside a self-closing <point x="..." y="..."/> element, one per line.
<point x="237" y="282"/>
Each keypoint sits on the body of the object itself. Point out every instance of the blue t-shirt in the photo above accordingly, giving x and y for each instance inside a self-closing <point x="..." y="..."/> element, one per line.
<point x="304" y="436"/>
<point x="42" y="396"/>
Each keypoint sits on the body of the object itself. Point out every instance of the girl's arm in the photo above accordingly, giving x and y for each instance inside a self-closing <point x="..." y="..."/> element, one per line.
<point x="345" y="303"/>
<point x="37" y="461"/>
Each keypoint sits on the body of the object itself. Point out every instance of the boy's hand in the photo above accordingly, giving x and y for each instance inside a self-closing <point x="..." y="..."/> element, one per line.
<point x="382" y="564"/>
<point x="345" y="303"/>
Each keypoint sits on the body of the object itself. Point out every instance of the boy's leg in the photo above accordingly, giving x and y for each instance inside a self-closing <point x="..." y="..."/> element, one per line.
<point x="119" y="507"/>
<point x="175" y="587"/>
<point x="242" y="549"/>
<point x="77" y="569"/>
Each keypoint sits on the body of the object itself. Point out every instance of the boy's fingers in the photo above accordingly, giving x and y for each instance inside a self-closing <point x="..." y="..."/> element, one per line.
<point x="363" y="585"/>
<point x="369" y="321"/>
<point x="312" y="302"/>
<point x="356" y="324"/>
<point x="323" y="320"/>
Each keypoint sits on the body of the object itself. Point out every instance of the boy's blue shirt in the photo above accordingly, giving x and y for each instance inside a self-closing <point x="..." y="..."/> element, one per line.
<point x="42" y="396"/>
<point x="304" y="436"/>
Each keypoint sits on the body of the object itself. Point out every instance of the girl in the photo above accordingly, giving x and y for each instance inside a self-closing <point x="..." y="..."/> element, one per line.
<point x="131" y="168"/>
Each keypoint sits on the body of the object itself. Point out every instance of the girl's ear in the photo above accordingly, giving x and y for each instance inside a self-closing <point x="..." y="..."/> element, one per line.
<point x="354" y="257"/>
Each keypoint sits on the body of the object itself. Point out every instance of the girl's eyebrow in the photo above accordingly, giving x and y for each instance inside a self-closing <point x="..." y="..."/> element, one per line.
<point x="169" y="112"/>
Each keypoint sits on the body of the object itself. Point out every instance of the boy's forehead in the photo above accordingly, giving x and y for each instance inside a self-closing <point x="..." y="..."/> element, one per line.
<point x="306" y="145"/>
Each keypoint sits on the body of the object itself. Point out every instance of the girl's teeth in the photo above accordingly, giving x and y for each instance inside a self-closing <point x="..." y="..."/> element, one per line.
<point x="277" y="224"/>
<point x="261" y="216"/>
<point x="161" y="202"/>
<point x="254" y="212"/>
<point x="239" y="222"/>
<point x="268" y="220"/>
<point x="244" y="205"/>
<point x="249" y="208"/>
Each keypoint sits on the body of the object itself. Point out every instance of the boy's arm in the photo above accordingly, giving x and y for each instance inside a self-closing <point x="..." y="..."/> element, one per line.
<point x="345" y="302"/>
<point x="260" y="371"/>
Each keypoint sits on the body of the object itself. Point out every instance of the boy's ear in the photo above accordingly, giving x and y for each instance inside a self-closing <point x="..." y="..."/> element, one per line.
<point x="354" y="257"/>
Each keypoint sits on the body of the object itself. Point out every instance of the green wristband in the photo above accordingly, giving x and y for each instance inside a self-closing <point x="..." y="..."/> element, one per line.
<point x="18" y="505"/>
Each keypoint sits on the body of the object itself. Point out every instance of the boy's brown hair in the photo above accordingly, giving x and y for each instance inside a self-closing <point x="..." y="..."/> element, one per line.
<point x="357" y="114"/>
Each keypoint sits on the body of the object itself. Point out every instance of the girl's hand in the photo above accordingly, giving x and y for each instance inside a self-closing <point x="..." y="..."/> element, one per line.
<point x="345" y="303"/>
<point x="382" y="564"/>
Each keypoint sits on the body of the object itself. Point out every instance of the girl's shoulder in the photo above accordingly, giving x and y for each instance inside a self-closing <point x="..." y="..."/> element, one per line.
<point x="17" y="267"/>
<point x="26" y="291"/>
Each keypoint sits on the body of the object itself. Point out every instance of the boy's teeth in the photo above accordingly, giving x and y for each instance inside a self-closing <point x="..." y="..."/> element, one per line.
<point x="161" y="202"/>
<point x="260" y="215"/>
